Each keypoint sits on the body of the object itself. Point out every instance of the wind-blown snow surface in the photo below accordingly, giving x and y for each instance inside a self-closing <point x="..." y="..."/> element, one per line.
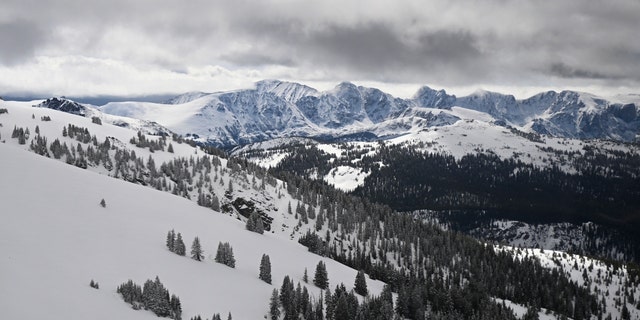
<point x="56" y="239"/>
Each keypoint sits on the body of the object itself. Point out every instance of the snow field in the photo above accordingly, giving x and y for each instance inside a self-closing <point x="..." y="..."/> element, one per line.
<point x="56" y="238"/>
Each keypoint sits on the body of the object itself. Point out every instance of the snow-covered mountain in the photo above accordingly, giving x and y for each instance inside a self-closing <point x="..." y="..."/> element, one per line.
<point x="52" y="194"/>
<point x="277" y="109"/>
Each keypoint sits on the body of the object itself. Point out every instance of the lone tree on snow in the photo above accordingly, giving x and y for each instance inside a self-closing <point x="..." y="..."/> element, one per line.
<point x="196" y="250"/>
<point x="265" y="269"/>
<point x="103" y="203"/>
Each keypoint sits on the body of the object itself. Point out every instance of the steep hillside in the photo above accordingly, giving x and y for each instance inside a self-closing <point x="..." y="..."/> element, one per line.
<point x="432" y="272"/>
<point x="57" y="238"/>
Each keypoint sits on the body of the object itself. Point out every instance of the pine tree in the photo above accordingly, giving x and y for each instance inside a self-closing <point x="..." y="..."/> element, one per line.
<point x="305" y="276"/>
<point x="224" y="255"/>
<point x="251" y="224"/>
<point x="170" y="148"/>
<point x="176" y="307"/>
<point x="103" y="203"/>
<point x="171" y="239"/>
<point x="265" y="269"/>
<point x="259" y="225"/>
<point x="321" y="279"/>
<point x="274" y="305"/>
<point x="179" y="247"/>
<point x="215" y="203"/>
<point x="531" y="314"/>
<point x="254" y="223"/>
<point x="196" y="250"/>
<point x="360" y="286"/>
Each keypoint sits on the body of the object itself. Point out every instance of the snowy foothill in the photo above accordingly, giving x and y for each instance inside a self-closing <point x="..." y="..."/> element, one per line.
<point x="57" y="237"/>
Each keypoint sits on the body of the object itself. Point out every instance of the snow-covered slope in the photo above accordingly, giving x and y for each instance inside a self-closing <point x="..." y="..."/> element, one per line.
<point x="277" y="109"/>
<point x="72" y="107"/>
<point x="56" y="238"/>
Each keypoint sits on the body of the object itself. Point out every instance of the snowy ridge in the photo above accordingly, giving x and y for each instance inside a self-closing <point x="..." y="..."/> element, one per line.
<point x="277" y="109"/>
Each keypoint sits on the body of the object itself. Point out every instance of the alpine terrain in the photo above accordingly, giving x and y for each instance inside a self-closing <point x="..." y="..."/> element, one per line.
<point x="285" y="202"/>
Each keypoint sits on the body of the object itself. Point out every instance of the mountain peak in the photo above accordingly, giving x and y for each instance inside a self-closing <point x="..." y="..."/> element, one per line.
<point x="428" y="97"/>
<point x="289" y="91"/>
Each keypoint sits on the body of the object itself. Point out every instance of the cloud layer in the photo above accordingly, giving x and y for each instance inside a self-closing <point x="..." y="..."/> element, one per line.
<point x="118" y="47"/>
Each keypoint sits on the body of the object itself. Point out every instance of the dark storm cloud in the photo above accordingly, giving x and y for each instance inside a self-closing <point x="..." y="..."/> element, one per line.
<point x="369" y="49"/>
<point x="565" y="71"/>
<point x="376" y="48"/>
<point x="19" y="39"/>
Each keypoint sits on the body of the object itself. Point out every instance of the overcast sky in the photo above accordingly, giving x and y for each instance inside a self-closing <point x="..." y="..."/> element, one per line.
<point x="140" y="47"/>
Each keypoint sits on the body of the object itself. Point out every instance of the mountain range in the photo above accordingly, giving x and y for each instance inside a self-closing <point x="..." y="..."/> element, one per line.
<point x="276" y="109"/>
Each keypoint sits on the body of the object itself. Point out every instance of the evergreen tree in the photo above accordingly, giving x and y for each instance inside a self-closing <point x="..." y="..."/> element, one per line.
<point x="254" y="223"/>
<point x="625" y="314"/>
<point x="103" y="203"/>
<point x="321" y="279"/>
<point x="224" y="255"/>
<point x="171" y="239"/>
<point x="265" y="269"/>
<point x="179" y="247"/>
<point x="196" y="250"/>
<point x="305" y="276"/>
<point x="531" y="314"/>
<point x="360" y="286"/>
<point x="176" y="307"/>
<point x="259" y="225"/>
<point x="274" y="305"/>
<point x="215" y="203"/>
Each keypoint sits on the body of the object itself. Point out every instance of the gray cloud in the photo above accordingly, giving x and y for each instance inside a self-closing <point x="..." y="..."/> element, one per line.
<point x="446" y="42"/>
<point x="562" y="70"/>
<point x="19" y="40"/>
